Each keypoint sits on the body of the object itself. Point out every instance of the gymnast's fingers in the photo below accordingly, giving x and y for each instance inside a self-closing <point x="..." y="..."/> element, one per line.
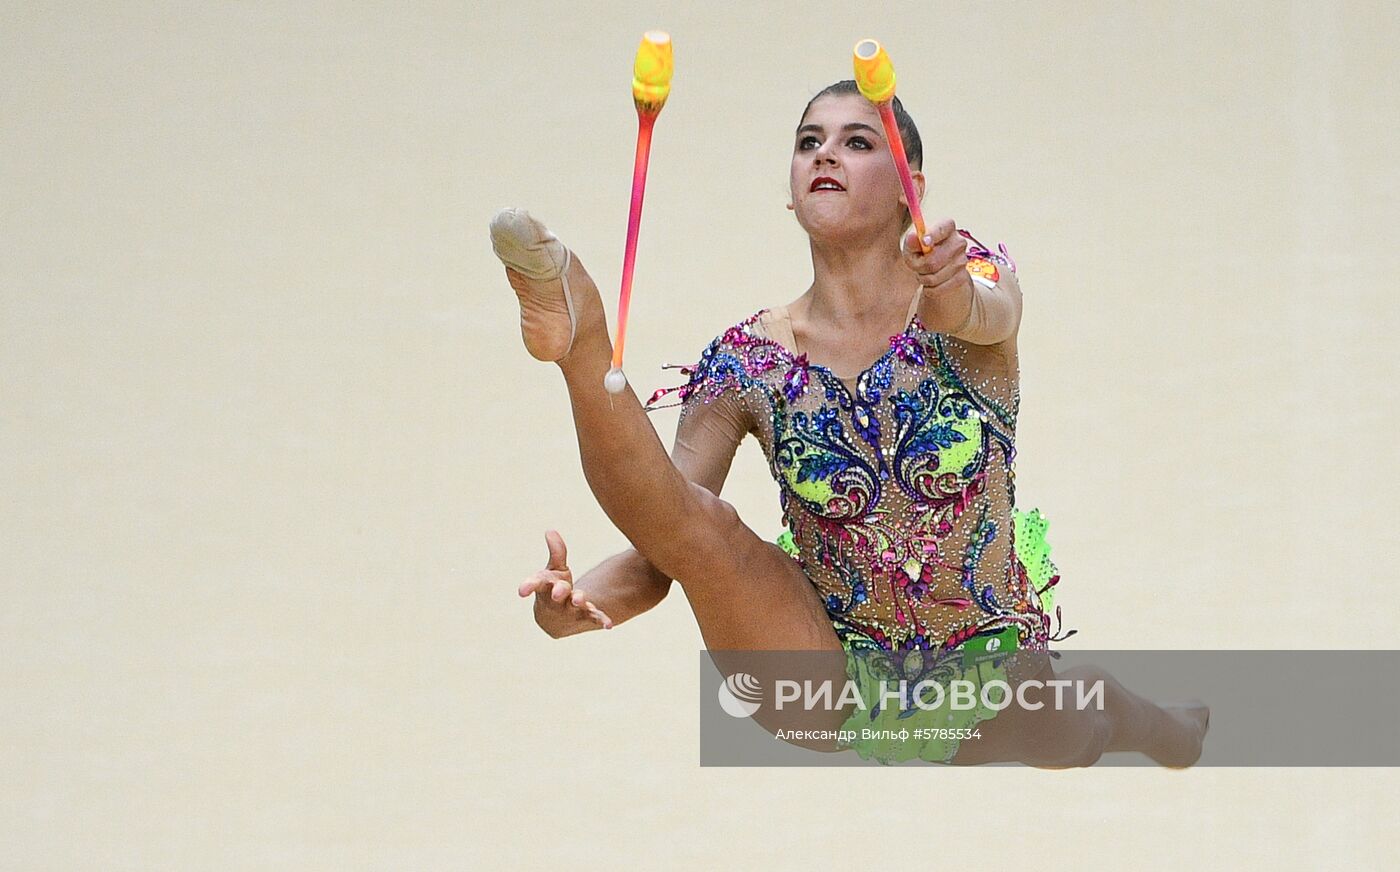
<point x="927" y="264"/>
<point x="583" y="603"/>
<point x="531" y="585"/>
<point x="945" y="275"/>
<point x="579" y="600"/>
<point x="914" y="257"/>
<point x="539" y="582"/>
<point x="558" y="552"/>
<point x="561" y="591"/>
<point x="909" y="242"/>
<point x="600" y="616"/>
<point x="942" y="229"/>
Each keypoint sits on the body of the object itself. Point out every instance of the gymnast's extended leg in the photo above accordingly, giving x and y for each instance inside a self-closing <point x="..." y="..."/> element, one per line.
<point x="747" y="594"/>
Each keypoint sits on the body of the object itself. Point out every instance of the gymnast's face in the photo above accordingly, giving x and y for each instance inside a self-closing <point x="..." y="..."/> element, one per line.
<point x="841" y="139"/>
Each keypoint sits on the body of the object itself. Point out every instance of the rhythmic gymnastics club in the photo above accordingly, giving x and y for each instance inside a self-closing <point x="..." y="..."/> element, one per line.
<point x="651" y="85"/>
<point x="875" y="78"/>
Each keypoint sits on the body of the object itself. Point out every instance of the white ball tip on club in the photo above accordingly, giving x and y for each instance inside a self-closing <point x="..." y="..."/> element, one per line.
<point x="614" y="381"/>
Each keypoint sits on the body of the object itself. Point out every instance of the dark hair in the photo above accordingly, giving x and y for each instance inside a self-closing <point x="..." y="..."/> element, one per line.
<point x="908" y="132"/>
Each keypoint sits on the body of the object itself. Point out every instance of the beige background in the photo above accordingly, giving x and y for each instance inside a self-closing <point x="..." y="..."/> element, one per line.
<point x="274" y="459"/>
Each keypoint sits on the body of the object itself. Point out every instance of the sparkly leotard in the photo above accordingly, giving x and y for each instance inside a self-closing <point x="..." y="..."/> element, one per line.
<point x="898" y="485"/>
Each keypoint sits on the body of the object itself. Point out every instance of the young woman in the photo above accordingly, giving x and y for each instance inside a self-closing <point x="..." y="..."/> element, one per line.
<point x="885" y="399"/>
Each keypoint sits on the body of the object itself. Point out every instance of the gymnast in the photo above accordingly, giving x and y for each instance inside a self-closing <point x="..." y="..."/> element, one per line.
<point x="885" y="399"/>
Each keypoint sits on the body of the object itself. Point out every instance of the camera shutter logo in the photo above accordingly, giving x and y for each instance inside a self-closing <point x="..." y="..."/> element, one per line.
<point x="740" y="695"/>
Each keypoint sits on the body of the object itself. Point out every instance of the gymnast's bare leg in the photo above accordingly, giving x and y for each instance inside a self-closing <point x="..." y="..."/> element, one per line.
<point x="1171" y="735"/>
<point x="746" y="593"/>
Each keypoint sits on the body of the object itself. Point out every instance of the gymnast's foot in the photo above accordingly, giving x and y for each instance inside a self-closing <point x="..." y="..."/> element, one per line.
<point x="556" y="295"/>
<point x="1178" y="743"/>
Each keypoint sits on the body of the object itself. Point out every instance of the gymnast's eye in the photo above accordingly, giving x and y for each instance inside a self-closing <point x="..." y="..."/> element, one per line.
<point x="802" y="143"/>
<point x="862" y="142"/>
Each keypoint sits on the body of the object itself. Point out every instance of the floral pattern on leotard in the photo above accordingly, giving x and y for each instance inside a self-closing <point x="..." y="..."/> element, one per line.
<point x="898" y="491"/>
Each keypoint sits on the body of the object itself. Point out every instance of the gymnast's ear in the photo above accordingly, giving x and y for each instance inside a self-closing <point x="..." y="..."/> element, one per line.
<point x="918" y="178"/>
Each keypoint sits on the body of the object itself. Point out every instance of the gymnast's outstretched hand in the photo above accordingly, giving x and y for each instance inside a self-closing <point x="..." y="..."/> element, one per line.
<point x="560" y="608"/>
<point x="943" y="270"/>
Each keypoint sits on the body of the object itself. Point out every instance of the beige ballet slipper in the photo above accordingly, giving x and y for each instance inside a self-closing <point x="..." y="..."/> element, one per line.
<point x="525" y="245"/>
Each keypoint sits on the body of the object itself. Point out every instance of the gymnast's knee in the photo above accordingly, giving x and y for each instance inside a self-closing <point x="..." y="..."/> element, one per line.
<point x="1064" y="739"/>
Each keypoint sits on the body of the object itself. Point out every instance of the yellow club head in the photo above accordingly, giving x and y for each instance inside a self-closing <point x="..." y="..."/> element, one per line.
<point x="874" y="72"/>
<point x="651" y="72"/>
